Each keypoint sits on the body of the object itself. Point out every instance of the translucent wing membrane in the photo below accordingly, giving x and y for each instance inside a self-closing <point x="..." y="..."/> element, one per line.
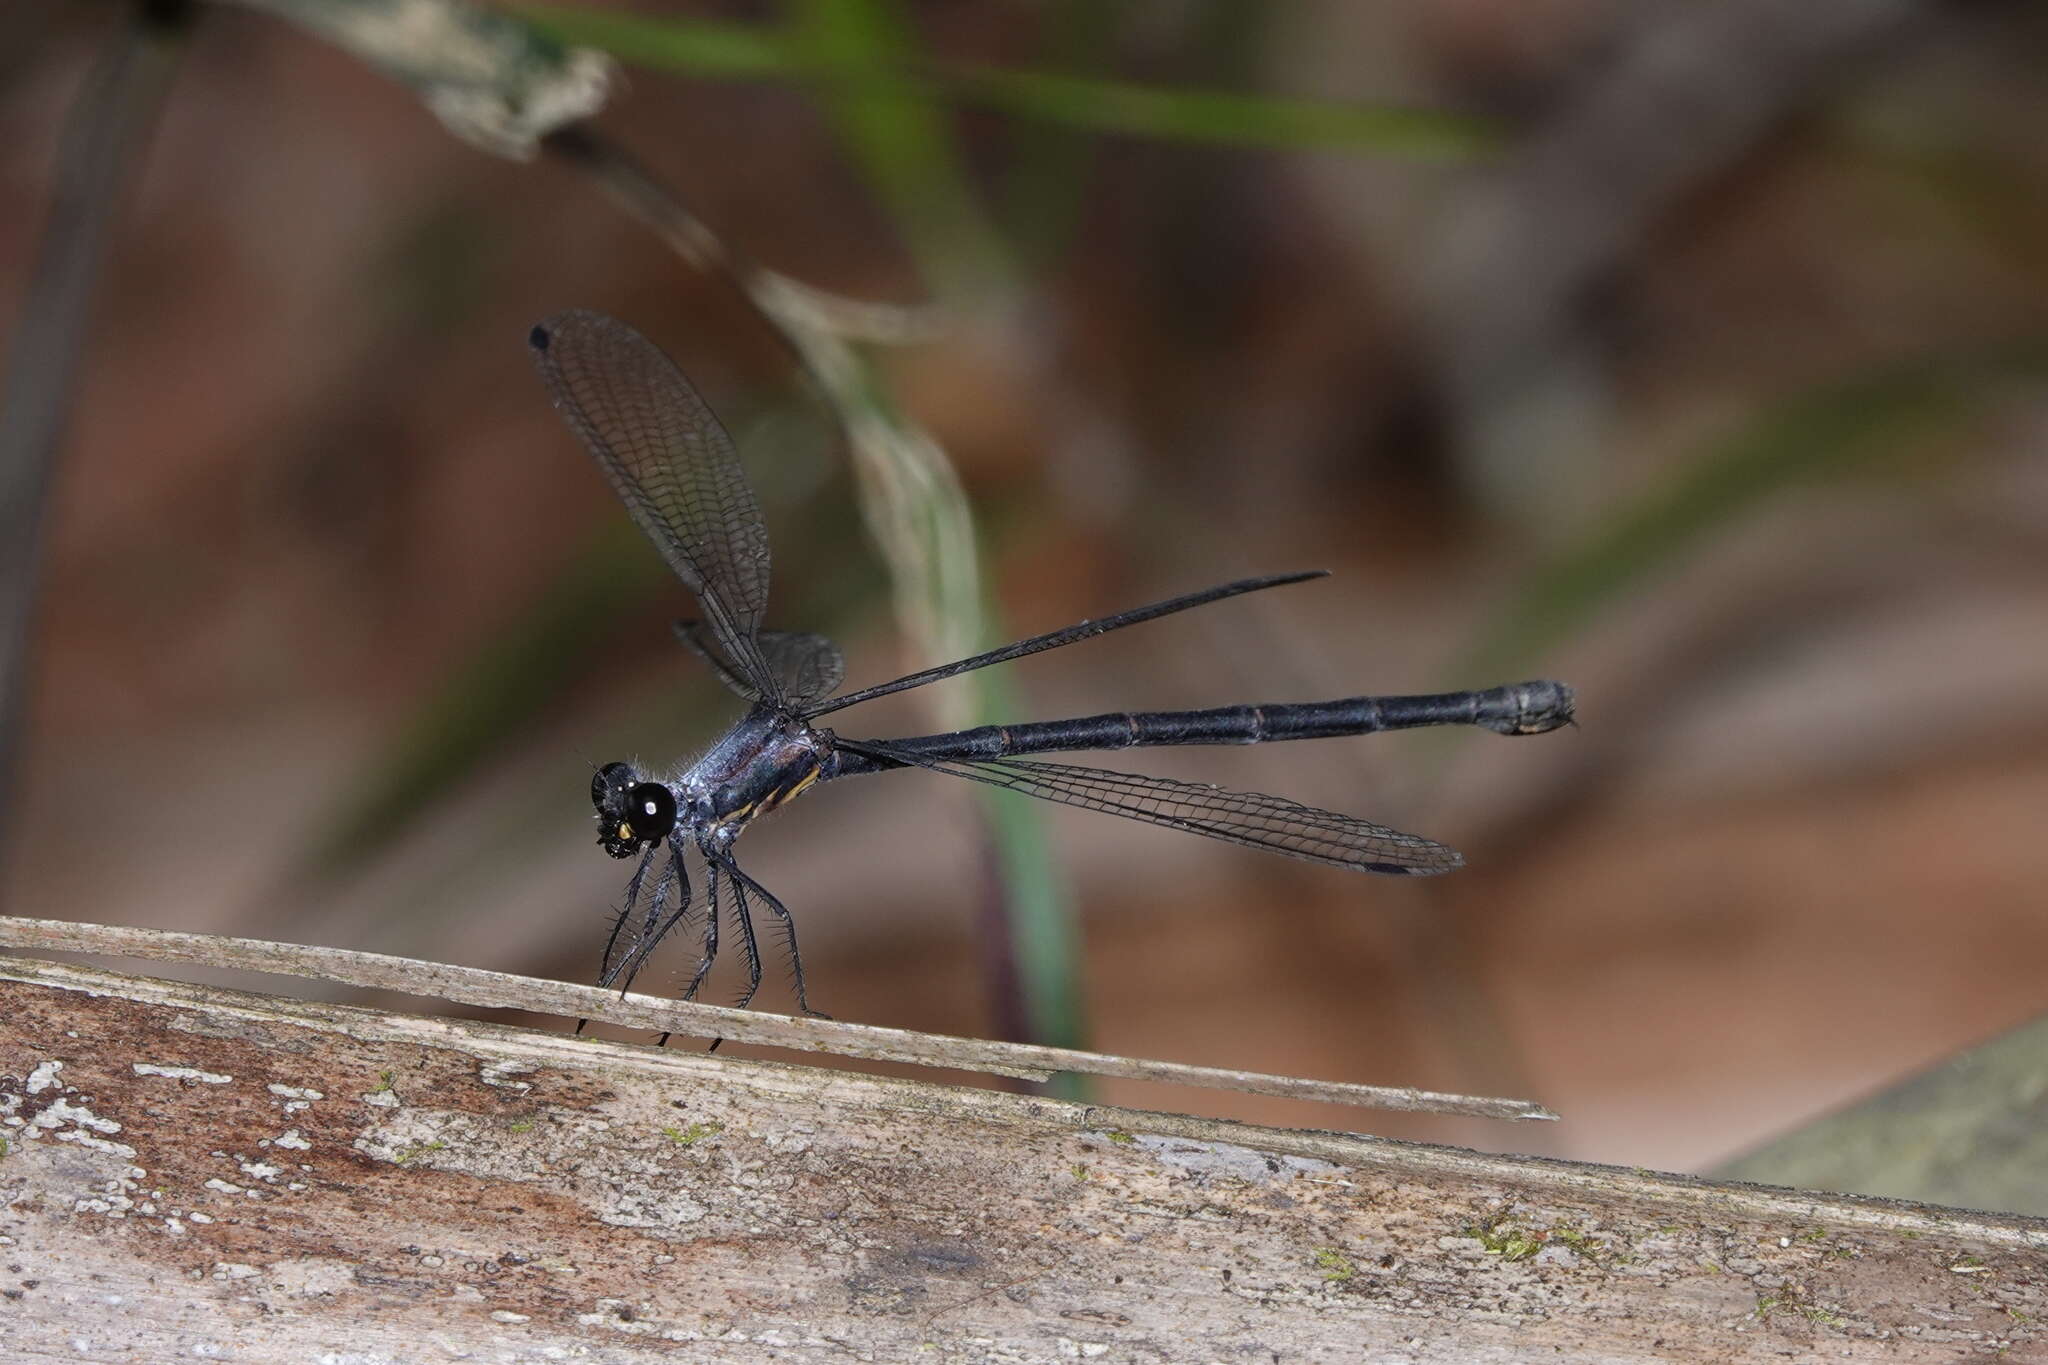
<point x="1272" y="823"/>
<point x="1065" y="636"/>
<point x="673" y="466"/>
<point x="808" y="667"/>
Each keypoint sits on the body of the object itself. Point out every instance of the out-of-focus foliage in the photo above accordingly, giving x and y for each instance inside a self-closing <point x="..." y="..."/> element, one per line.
<point x="1689" y="354"/>
<point x="851" y="54"/>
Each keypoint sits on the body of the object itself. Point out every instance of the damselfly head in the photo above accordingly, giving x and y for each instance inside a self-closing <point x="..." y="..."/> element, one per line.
<point x="630" y="813"/>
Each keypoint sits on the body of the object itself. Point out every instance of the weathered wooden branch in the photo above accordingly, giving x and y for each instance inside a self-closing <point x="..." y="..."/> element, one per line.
<point x="193" y="1172"/>
<point x="472" y="986"/>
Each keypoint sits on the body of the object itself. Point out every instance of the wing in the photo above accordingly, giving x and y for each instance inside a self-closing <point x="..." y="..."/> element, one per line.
<point x="673" y="466"/>
<point x="1272" y="823"/>
<point x="808" y="667"/>
<point x="1065" y="636"/>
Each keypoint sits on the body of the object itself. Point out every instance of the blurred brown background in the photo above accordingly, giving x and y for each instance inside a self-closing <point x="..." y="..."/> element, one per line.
<point x="1706" y="390"/>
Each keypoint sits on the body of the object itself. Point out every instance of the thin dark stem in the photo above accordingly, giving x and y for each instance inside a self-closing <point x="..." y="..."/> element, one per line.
<point x="103" y="140"/>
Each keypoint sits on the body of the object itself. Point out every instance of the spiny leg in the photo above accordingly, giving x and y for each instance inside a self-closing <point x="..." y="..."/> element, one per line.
<point x="611" y="943"/>
<point x="652" y="934"/>
<point x="796" y="959"/>
<point x="615" y="960"/>
<point x="656" y="926"/>
<point x="604" y="967"/>
<point x="710" y="931"/>
<point x="751" y="944"/>
<point x="652" y="925"/>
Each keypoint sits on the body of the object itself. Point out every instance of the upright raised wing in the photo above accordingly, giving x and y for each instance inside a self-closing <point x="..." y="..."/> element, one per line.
<point x="810" y="667"/>
<point x="675" y="468"/>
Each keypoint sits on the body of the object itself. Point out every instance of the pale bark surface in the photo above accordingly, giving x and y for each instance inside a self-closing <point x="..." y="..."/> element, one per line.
<point x="193" y="1173"/>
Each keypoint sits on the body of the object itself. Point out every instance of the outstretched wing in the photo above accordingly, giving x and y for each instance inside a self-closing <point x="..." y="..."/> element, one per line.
<point x="1272" y="823"/>
<point x="674" y="467"/>
<point x="1065" y="636"/>
<point x="809" y="667"/>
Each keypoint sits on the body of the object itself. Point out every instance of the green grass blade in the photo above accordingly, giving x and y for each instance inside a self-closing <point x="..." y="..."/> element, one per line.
<point x="1047" y="166"/>
<point x="699" y="47"/>
<point x="900" y="140"/>
<point x="1217" y="118"/>
<point x="905" y="144"/>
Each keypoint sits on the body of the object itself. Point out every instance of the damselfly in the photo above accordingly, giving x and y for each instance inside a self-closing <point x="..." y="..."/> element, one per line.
<point x="676" y="469"/>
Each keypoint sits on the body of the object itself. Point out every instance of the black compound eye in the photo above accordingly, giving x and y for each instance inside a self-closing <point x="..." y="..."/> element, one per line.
<point x="651" y="811"/>
<point x="607" y="781"/>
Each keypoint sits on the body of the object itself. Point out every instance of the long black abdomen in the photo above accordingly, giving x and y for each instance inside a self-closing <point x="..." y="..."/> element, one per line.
<point x="1528" y="708"/>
